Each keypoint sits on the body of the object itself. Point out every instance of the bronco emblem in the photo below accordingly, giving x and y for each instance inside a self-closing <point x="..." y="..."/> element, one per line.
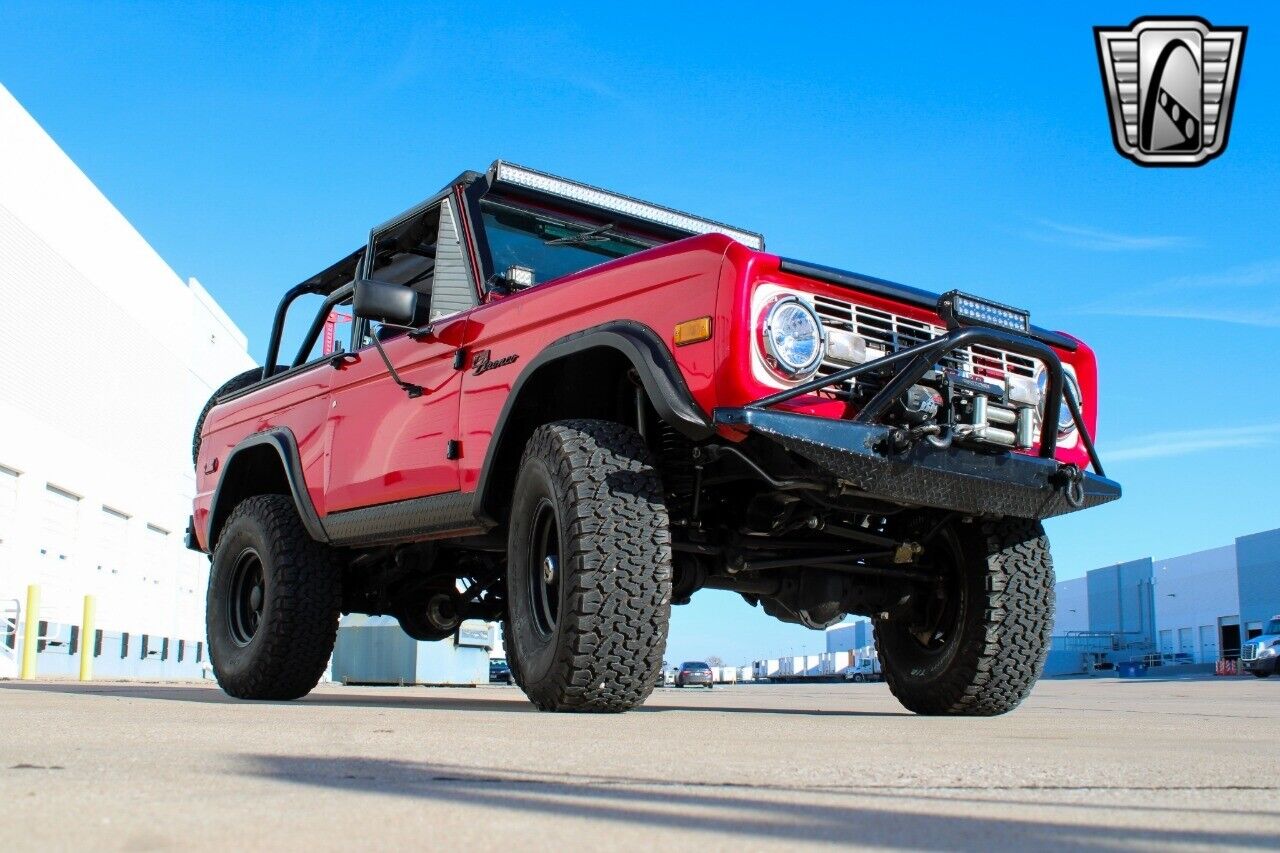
<point x="483" y="362"/>
<point x="1170" y="85"/>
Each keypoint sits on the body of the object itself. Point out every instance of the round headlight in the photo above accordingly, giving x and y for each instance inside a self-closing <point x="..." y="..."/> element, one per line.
<point x="793" y="337"/>
<point x="1065" y="422"/>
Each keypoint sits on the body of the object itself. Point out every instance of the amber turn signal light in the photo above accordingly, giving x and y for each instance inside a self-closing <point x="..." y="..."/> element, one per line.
<point x="692" y="331"/>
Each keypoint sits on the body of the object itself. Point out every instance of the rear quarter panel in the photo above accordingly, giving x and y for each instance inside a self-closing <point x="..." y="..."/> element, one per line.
<point x="297" y="403"/>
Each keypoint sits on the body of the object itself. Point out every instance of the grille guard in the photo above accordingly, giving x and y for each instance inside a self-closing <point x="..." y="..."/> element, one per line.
<point x="862" y="450"/>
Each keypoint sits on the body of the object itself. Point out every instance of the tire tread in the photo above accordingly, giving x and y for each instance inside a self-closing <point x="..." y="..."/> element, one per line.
<point x="998" y="664"/>
<point x="615" y="625"/>
<point x="306" y="603"/>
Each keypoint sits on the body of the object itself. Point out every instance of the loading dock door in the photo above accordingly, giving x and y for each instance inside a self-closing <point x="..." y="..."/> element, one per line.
<point x="1186" y="642"/>
<point x="1208" y="644"/>
<point x="1230" y="641"/>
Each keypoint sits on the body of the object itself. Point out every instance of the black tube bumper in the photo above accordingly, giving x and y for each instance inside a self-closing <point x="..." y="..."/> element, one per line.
<point x="954" y="478"/>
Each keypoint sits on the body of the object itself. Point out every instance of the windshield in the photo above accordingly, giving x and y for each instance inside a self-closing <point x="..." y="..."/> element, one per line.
<point x="550" y="246"/>
<point x="696" y="665"/>
<point x="1273" y="627"/>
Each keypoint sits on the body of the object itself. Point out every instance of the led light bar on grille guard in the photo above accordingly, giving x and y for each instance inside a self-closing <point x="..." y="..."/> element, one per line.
<point x="960" y="309"/>
<point x="519" y="176"/>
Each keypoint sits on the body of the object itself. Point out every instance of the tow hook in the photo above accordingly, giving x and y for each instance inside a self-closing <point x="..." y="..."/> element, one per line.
<point x="1070" y="479"/>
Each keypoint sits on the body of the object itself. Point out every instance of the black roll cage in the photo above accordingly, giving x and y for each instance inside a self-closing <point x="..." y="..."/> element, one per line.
<point x="467" y="189"/>
<point x="336" y="285"/>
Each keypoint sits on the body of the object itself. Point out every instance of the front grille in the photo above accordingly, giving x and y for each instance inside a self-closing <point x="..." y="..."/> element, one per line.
<point x="1249" y="652"/>
<point x="887" y="333"/>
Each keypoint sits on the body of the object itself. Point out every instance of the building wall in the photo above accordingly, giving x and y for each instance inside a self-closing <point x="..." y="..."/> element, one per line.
<point x="1072" y="611"/>
<point x="850" y="636"/>
<point x="1192" y="593"/>
<point x="110" y="356"/>
<point x="1120" y="600"/>
<point x="1258" y="558"/>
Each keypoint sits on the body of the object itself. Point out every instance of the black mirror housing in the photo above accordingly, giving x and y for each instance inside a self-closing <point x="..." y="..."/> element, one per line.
<point x="393" y="304"/>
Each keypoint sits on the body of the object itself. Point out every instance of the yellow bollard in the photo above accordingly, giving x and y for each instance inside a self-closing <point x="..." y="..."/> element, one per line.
<point x="87" y="639"/>
<point x="31" y="633"/>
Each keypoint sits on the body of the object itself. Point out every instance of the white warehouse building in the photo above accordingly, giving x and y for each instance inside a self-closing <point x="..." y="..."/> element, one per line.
<point x="109" y="356"/>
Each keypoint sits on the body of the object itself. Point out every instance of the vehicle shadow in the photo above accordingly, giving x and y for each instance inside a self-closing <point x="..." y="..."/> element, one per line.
<point x="501" y="700"/>
<point x="733" y="810"/>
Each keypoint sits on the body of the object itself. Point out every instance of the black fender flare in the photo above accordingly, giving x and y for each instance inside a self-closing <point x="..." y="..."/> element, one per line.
<point x="654" y="364"/>
<point x="282" y="441"/>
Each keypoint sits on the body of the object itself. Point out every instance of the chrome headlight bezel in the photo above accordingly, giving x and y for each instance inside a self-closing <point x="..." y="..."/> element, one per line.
<point x="1066" y="424"/>
<point x="777" y="360"/>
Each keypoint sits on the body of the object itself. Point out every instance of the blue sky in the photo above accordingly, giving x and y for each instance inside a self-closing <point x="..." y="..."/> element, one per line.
<point x="944" y="148"/>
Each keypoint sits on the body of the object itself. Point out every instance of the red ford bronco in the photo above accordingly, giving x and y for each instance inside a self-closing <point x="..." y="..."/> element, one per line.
<point x="568" y="409"/>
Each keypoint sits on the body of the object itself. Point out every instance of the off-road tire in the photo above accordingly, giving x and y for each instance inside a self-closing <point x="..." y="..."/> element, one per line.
<point x="997" y="652"/>
<point x="235" y="383"/>
<point x="1260" y="674"/>
<point x="605" y="650"/>
<point x="301" y="603"/>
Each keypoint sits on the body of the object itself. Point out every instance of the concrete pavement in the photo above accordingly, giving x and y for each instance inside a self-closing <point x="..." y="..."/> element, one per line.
<point x="1152" y="764"/>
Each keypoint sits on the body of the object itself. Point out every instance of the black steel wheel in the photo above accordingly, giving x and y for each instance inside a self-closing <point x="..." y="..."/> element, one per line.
<point x="273" y="604"/>
<point x="588" y="569"/>
<point x="247" y="594"/>
<point x="976" y="645"/>
<point x="544" y="562"/>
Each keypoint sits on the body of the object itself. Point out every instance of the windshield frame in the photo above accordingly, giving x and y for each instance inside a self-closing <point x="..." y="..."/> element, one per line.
<point x="581" y="216"/>
<point x="572" y="221"/>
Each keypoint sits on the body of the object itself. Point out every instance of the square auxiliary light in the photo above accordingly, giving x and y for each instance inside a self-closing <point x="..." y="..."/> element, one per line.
<point x="961" y="309"/>
<point x="502" y="172"/>
<point x="519" y="277"/>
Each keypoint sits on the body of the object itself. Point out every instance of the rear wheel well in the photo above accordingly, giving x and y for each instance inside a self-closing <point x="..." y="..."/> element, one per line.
<point x="253" y="471"/>
<point x="598" y="383"/>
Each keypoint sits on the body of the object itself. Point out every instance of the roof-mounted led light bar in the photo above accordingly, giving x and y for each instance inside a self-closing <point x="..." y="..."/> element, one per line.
<point x="518" y="176"/>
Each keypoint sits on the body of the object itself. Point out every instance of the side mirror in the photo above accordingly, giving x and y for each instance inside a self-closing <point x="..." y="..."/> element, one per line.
<point x="393" y="304"/>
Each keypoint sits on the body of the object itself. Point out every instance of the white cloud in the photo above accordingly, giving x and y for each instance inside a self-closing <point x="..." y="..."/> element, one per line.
<point x="1266" y="317"/>
<point x="1248" y="275"/>
<point x="1239" y="295"/>
<point x="1170" y="443"/>
<point x="1083" y="237"/>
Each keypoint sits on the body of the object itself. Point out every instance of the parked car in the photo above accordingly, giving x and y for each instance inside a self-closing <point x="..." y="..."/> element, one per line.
<point x="694" y="673"/>
<point x="500" y="672"/>
<point x="1259" y="655"/>
<point x="528" y="354"/>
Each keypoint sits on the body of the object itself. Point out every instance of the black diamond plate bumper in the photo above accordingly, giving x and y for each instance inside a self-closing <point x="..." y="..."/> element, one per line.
<point x="955" y="478"/>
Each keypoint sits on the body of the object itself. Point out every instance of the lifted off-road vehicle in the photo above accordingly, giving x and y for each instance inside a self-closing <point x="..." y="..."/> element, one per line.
<point x="568" y="409"/>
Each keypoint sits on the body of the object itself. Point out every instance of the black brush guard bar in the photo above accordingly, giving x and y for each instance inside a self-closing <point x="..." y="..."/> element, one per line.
<point x="920" y="359"/>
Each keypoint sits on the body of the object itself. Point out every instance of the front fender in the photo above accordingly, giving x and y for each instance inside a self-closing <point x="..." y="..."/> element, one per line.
<point x="654" y="365"/>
